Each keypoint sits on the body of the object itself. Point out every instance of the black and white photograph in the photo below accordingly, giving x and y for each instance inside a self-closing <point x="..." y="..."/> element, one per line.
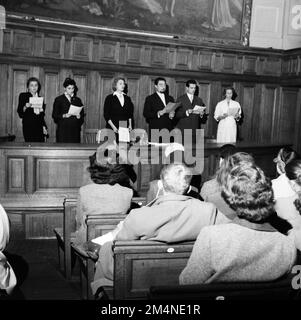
<point x="150" y="155"/>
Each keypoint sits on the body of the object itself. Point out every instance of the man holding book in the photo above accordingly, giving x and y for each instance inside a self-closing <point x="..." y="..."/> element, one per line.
<point x="190" y="112"/>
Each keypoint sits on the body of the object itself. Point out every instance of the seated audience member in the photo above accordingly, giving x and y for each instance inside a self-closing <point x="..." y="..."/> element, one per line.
<point x="211" y="190"/>
<point x="281" y="185"/>
<point x="109" y="193"/>
<point x="249" y="248"/>
<point x="288" y="207"/>
<point x="175" y="154"/>
<point x="173" y="217"/>
<point x="8" y="279"/>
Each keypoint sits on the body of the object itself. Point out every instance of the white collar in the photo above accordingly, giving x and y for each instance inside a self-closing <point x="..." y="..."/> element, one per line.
<point x="160" y="93"/>
<point x="115" y="93"/>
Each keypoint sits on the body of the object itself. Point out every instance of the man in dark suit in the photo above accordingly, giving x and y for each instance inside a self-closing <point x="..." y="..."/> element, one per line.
<point x="154" y="105"/>
<point x="185" y="116"/>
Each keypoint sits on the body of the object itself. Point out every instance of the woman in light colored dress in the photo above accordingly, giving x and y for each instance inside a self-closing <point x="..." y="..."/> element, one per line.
<point x="227" y="113"/>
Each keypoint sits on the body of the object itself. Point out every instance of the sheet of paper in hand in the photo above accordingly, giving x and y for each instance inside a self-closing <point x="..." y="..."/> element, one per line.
<point x="198" y="109"/>
<point x="124" y="134"/>
<point x="74" y="110"/>
<point x="171" y="106"/>
<point x="233" y="111"/>
<point x="36" y="102"/>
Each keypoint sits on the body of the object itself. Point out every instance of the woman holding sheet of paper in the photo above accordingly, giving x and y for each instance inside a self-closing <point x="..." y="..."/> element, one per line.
<point x="68" y="114"/>
<point x="31" y="109"/>
<point x="118" y="108"/>
<point x="227" y="113"/>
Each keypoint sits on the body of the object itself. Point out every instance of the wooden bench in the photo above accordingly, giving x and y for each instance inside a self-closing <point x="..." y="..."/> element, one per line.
<point x="96" y="226"/>
<point x="138" y="265"/>
<point x="275" y="290"/>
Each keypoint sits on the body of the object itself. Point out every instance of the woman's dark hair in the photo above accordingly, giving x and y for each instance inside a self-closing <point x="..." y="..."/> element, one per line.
<point x="247" y="191"/>
<point x="234" y="94"/>
<point x="70" y="82"/>
<point x="226" y="150"/>
<point x="107" y="173"/>
<point x="34" y="79"/>
<point x="293" y="172"/>
<point x="159" y="79"/>
<point x="286" y="154"/>
<point x="114" y="83"/>
<point x="189" y="82"/>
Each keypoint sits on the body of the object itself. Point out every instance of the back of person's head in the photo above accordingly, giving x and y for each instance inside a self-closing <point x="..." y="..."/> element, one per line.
<point x="293" y="173"/>
<point x="231" y="161"/>
<point x="285" y="156"/>
<point x="226" y="151"/>
<point x="248" y="192"/>
<point x="107" y="172"/>
<point x="175" y="178"/>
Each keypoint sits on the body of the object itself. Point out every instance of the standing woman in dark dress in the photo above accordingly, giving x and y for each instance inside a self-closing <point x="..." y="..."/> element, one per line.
<point x="34" y="126"/>
<point x="118" y="107"/>
<point x="68" y="126"/>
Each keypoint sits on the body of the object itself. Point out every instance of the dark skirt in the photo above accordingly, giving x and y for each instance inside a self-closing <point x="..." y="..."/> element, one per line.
<point x="68" y="130"/>
<point x="33" y="129"/>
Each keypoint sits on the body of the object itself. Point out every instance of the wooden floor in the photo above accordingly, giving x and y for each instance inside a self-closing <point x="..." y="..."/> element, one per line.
<point x="36" y="263"/>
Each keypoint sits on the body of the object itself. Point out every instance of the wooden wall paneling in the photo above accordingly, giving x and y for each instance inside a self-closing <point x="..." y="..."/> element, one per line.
<point x="134" y="91"/>
<point x="146" y="88"/>
<point x="215" y="97"/>
<point x="229" y="63"/>
<point x="52" y="90"/>
<point x="53" y="45"/>
<point x="60" y="173"/>
<point x="134" y="53"/>
<point x="109" y="51"/>
<point x="93" y="114"/>
<point x="4" y="98"/>
<point x="247" y="102"/>
<point x="204" y="93"/>
<point x="204" y="60"/>
<point x="40" y="225"/>
<point x="20" y="75"/>
<point x="23" y="42"/>
<point x="297" y="140"/>
<point x="7" y="40"/>
<point x="288" y="111"/>
<point x="16" y="174"/>
<point x="250" y="64"/>
<point x="1" y="40"/>
<point x="105" y="89"/>
<point x="159" y="56"/>
<point x="267" y="113"/>
<point x="82" y="48"/>
<point x="183" y="58"/>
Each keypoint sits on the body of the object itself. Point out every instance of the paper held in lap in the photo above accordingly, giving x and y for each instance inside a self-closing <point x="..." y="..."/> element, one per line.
<point x="124" y="134"/>
<point x="36" y="102"/>
<point x="74" y="110"/>
<point x="198" y="109"/>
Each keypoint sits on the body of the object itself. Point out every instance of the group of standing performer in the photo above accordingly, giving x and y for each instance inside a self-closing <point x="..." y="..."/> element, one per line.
<point x="118" y="107"/>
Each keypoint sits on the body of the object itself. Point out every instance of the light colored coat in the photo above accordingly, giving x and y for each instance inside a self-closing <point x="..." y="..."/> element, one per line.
<point x="171" y="218"/>
<point x="238" y="253"/>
